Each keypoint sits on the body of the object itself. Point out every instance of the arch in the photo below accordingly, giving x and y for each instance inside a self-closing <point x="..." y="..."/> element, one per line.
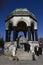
<point x="21" y="26"/>
<point x="24" y="20"/>
<point x="22" y="23"/>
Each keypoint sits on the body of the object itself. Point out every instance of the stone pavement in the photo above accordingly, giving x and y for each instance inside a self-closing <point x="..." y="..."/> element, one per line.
<point x="5" y="61"/>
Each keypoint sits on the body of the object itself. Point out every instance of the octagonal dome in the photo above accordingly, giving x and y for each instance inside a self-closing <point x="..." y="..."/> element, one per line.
<point x="21" y="12"/>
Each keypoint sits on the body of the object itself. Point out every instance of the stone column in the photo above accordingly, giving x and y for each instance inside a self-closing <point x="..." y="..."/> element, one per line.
<point x="29" y="34"/>
<point x="32" y="35"/>
<point x="36" y="35"/>
<point x="14" y="34"/>
<point x="8" y="35"/>
<point x="25" y="34"/>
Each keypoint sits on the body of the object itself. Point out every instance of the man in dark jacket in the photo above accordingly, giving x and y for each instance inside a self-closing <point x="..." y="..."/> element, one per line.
<point x="40" y="50"/>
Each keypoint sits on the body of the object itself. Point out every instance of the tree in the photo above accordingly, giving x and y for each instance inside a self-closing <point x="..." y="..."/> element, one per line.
<point x="1" y="42"/>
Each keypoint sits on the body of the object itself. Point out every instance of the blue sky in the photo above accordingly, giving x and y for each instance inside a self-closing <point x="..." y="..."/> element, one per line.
<point x="35" y="6"/>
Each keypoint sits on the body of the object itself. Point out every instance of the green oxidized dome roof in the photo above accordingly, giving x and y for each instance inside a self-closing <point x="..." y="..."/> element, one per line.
<point x="21" y="11"/>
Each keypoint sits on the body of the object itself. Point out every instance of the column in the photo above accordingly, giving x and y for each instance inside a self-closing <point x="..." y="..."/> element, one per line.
<point x="8" y="35"/>
<point x="14" y="34"/>
<point x="29" y="34"/>
<point x="25" y="34"/>
<point x="32" y="35"/>
<point x="36" y="35"/>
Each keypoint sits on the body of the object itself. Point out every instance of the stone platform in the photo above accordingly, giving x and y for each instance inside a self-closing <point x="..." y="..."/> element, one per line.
<point x="20" y="53"/>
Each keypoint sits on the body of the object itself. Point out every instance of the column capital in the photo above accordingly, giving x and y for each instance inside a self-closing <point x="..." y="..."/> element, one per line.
<point x="28" y="27"/>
